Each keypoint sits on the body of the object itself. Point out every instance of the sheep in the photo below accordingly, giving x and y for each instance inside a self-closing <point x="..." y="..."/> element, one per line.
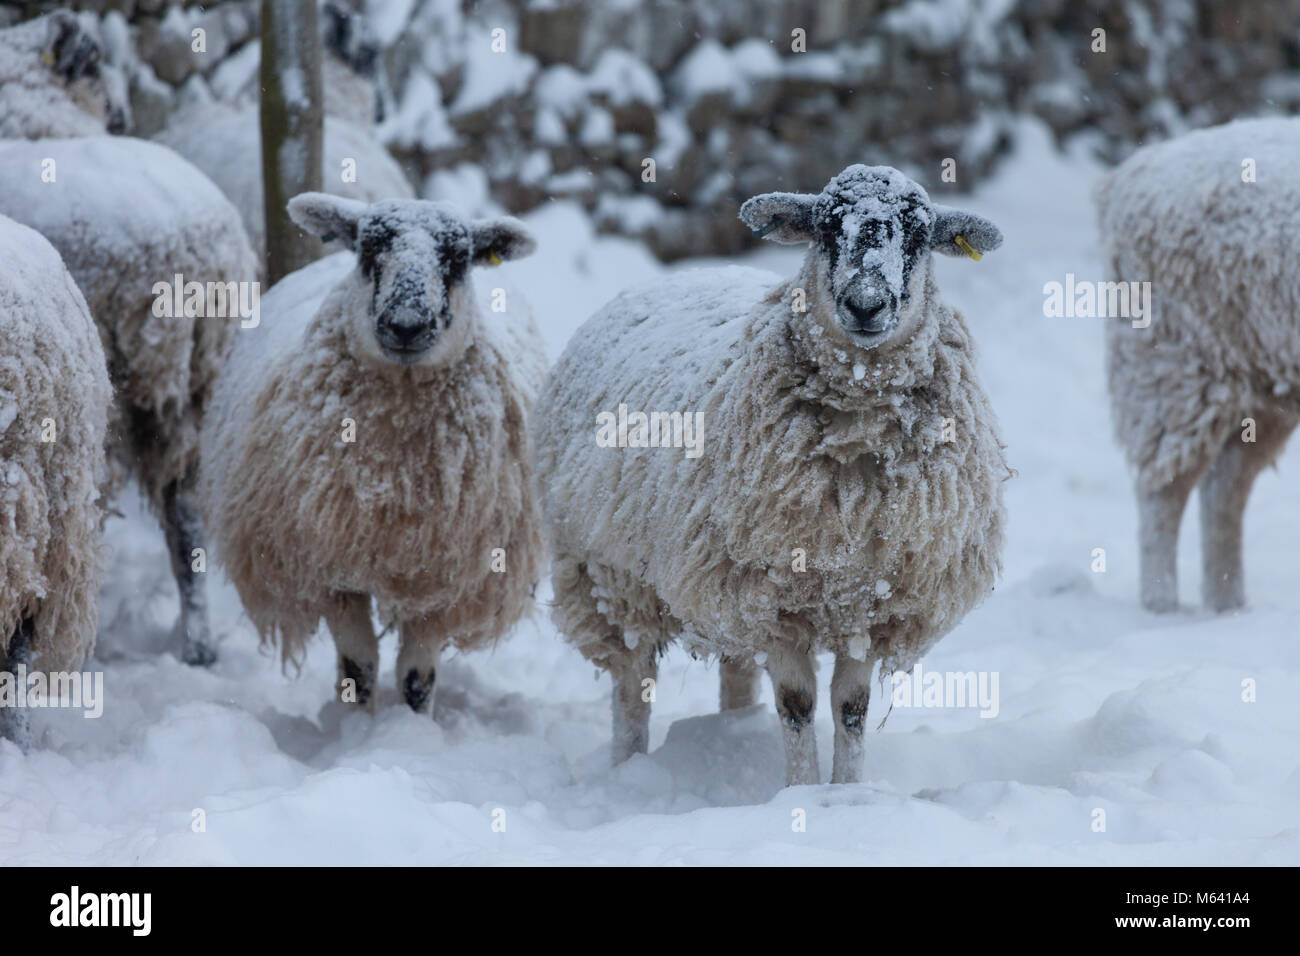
<point x="54" y="81"/>
<point x="220" y="137"/>
<point x="54" y="397"/>
<point x="128" y="217"/>
<point x="1202" y="390"/>
<point x="369" y="440"/>
<point x="352" y="74"/>
<point x="352" y="77"/>
<point x="847" y="496"/>
<point x="220" y="140"/>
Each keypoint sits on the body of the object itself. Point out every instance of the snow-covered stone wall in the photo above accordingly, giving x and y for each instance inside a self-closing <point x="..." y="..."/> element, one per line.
<point x="661" y="116"/>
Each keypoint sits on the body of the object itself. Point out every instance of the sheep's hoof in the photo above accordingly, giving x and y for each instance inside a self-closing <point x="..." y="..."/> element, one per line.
<point x="417" y="690"/>
<point x="1160" y="603"/>
<point x="357" y="682"/>
<point x="198" y="653"/>
<point x="1225" y="605"/>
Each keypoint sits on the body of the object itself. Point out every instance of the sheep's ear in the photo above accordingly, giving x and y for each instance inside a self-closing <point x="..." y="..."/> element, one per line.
<point x="334" y="26"/>
<point x="781" y="217"/>
<point x="70" y="50"/>
<point x="120" y="116"/>
<point x="953" y="227"/>
<point x="498" y="240"/>
<point x="330" y="217"/>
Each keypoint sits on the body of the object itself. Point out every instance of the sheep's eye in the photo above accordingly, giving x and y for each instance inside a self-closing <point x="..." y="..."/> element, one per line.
<point x="455" y="264"/>
<point x="374" y="241"/>
<point x="453" y="254"/>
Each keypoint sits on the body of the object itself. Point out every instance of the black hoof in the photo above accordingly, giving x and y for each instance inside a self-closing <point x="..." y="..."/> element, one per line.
<point x="417" y="690"/>
<point x="362" y="677"/>
<point x="198" y="655"/>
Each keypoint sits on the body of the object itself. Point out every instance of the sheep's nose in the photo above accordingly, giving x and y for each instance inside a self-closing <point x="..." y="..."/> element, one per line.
<point x="406" y="330"/>
<point x="870" y="318"/>
<point x="117" y="122"/>
<point x="401" y="333"/>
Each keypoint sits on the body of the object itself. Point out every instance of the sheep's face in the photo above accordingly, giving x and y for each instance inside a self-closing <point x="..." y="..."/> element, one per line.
<point x="413" y="262"/>
<point x="76" y="61"/>
<point x="348" y="35"/>
<point x="872" y="231"/>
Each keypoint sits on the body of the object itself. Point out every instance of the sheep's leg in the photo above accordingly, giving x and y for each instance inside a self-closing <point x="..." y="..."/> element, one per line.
<point x="15" y="723"/>
<point x="348" y="617"/>
<point x="418" y="653"/>
<point x="1160" y="511"/>
<point x="183" y="530"/>
<point x="738" y="684"/>
<point x="632" y="702"/>
<point x="1224" y="491"/>
<point x="795" y="689"/>
<point x="850" y="692"/>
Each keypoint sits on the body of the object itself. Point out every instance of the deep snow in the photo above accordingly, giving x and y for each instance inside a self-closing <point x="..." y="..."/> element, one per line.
<point x="1101" y="705"/>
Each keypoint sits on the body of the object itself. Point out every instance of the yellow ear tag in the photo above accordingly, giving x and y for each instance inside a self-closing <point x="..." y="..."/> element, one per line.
<point x="967" y="248"/>
<point x="493" y="258"/>
<point x="47" y="58"/>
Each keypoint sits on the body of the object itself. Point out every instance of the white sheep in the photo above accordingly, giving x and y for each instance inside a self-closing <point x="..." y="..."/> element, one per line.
<point x="219" y="137"/>
<point x="55" y="81"/>
<point x="352" y="78"/>
<point x="54" y="397"/>
<point x="847" y="492"/>
<point x="225" y="143"/>
<point x="369" y="440"/>
<point x="128" y="215"/>
<point x="1206" y="392"/>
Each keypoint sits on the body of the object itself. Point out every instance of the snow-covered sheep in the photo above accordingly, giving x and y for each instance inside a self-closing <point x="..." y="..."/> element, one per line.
<point x="136" y="224"/>
<point x="54" y="397"/>
<point x="351" y="72"/>
<point x="844" y="488"/>
<point x="1206" y="392"/>
<point x="369" y="440"/>
<point x="55" y="81"/>
<point x="225" y="142"/>
<point x="352" y="78"/>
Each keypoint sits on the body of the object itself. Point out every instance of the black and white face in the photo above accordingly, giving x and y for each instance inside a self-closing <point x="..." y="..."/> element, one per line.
<point x="873" y="230"/>
<point x="413" y="263"/>
<point x="75" y="58"/>
<point x="350" y="37"/>
<point x="414" y="260"/>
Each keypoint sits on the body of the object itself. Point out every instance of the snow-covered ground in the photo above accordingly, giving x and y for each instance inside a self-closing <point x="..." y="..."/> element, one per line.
<point x="1102" y="706"/>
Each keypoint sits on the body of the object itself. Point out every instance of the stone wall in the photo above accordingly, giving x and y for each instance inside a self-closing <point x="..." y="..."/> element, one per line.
<point x="578" y="95"/>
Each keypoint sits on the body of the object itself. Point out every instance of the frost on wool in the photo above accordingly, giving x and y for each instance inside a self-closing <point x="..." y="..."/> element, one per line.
<point x="439" y="473"/>
<point x="219" y="139"/>
<point x="54" y="81"/>
<point x="125" y="214"/>
<point x="1206" y="392"/>
<point x="803" y="452"/>
<point x="1221" y="255"/>
<point x="52" y="376"/>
